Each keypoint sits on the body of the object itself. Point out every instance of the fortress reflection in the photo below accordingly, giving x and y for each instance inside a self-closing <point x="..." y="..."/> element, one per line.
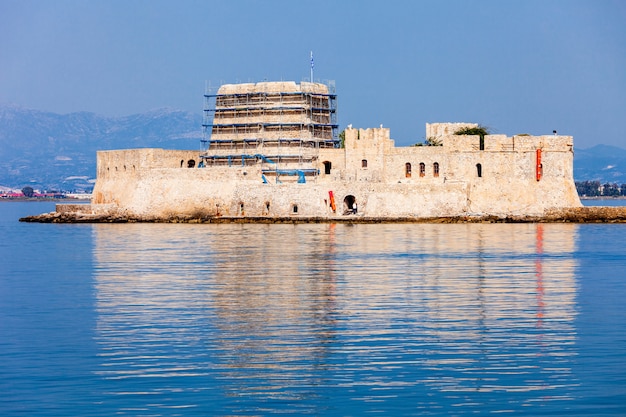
<point x="298" y="313"/>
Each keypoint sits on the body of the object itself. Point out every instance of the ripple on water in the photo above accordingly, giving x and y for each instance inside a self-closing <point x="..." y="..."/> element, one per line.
<point x="334" y="318"/>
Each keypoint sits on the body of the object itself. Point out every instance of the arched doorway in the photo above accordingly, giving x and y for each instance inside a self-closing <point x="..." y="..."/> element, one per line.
<point x="349" y="205"/>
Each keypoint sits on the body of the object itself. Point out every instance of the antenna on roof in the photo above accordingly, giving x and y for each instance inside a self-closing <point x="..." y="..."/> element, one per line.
<point x="312" y="66"/>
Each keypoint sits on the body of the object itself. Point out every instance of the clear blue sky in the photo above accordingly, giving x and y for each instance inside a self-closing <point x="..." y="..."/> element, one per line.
<point x="526" y="66"/>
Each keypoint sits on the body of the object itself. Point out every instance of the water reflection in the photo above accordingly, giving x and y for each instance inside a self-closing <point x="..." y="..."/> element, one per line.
<point x="239" y="319"/>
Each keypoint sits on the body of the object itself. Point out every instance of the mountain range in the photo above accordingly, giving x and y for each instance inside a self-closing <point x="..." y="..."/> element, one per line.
<point x="50" y="151"/>
<point x="603" y="163"/>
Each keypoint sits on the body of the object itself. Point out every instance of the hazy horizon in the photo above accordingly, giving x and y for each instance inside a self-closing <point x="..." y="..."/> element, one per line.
<point x="516" y="67"/>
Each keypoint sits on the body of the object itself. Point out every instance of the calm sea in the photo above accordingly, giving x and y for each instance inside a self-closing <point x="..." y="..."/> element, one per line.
<point x="243" y="320"/>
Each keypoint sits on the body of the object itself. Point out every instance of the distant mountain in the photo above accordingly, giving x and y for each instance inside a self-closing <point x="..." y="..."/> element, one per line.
<point x="53" y="151"/>
<point x="604" y="163"/>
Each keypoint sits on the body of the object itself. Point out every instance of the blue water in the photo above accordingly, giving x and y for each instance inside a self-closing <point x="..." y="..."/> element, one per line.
<point x="424" y="319"/>
<point x="607" y="202"/>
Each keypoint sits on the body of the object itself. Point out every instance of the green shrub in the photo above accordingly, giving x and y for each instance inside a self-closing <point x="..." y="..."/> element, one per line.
<point x="479" y="130"/>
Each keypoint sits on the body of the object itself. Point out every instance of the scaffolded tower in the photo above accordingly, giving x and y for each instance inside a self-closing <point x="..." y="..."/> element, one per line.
<point x="281" y="125"/>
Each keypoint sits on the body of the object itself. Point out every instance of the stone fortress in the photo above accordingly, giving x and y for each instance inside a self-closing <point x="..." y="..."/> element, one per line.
<point x="272" y="150"/>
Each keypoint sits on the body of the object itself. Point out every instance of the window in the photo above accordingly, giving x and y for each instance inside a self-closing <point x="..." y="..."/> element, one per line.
<point x="295" y="209"/>
<point x="407" y="170"/>
<point x="436" y="169"/>
<point x="327" y="167"/>
<point x="479" y="170"/>
<point x="422" y="169"/>
<point x="364" y="163"/>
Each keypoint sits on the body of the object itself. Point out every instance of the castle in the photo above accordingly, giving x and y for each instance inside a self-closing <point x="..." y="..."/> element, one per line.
<point x="272" y="150"/>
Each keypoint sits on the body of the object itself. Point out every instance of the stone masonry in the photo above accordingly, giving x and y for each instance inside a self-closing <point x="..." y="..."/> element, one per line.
<point x="273" y="153"/>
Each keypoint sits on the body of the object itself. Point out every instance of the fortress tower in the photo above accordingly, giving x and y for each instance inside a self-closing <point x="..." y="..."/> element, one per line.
<point x="279" y="125"/>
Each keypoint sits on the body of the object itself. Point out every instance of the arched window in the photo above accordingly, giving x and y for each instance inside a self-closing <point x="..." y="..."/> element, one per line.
<point x="422" y="169"/>
<point x="436" y="169"/>
<point x="479" y="170"/>
<point x="364" y="163"/>
<point x="407" y="170"/>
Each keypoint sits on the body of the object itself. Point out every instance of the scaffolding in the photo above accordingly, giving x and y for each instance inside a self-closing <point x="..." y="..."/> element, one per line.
<point x="283" y="122"/>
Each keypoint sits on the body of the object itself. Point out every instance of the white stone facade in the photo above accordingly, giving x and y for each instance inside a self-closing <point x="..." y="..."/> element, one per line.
<point x="502" y="176"/>
<point x="156" y="182"/>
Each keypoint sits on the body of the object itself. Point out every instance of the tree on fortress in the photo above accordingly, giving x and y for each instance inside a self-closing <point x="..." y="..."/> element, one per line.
<point x="430" y="141"/>
<point x="479" y="130"/>
<point x="28" y="191"/>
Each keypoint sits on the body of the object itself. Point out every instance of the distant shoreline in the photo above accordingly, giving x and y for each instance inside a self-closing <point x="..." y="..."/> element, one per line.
<point x="620" y="197"/>
<point x="43" y="199"/>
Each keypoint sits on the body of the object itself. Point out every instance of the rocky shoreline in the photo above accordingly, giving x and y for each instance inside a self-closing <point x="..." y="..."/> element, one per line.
<point x="593" y="214"/>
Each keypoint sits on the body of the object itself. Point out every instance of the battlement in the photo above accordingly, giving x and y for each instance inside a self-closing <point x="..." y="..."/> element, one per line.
<point x="437" y="130"/>
<point x="503" y="143"/>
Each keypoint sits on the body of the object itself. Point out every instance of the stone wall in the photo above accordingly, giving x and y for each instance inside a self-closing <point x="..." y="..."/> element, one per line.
<point x="436" y="130"/>
<point x="384" y="180"/>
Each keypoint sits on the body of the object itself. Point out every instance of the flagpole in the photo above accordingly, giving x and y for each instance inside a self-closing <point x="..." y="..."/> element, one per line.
<point x="311" y="66"/>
